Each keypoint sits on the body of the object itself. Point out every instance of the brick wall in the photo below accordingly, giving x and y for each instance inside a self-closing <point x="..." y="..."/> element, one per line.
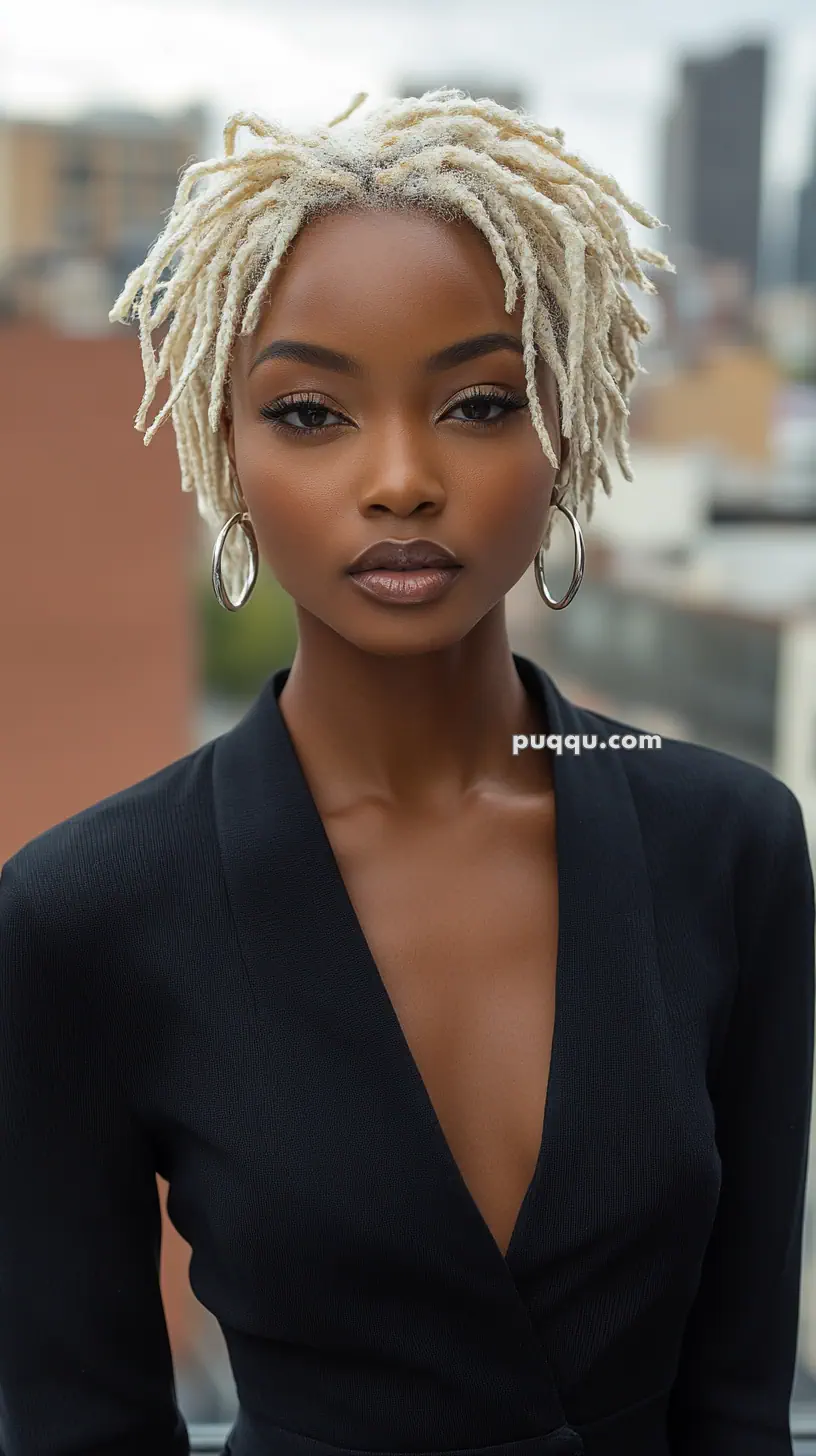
<point x="97" y="652"/>
<point x="98" y="663"/>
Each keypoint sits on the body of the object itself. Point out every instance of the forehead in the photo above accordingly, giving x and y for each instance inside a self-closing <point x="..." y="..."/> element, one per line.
<point x="374" y="276"/>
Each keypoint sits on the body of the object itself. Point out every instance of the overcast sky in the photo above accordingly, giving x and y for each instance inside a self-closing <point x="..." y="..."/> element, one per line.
<point x="601" y="69"/>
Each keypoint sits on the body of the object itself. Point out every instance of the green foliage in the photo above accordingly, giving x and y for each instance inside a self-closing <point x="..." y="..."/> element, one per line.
<point x="240" y="649"/>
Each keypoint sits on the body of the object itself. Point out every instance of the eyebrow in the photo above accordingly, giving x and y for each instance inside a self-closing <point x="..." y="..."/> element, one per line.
<point x="448" y="358"/>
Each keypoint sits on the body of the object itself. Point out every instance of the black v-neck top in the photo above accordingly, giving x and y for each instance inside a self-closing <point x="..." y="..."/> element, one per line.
<point x="185" y="988"/>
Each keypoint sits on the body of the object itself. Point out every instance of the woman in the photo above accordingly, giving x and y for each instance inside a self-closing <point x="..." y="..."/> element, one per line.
<point x="308" y="972"/>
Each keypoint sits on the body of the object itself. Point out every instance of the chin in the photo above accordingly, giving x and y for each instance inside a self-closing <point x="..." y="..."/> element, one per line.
<point x="402" y="637"/>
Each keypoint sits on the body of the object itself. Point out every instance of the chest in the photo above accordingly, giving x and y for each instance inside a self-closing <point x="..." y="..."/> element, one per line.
<point x="462" y="924"/>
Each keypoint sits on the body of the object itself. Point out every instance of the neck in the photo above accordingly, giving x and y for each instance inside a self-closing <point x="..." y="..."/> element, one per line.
<point x="412" y="731"/>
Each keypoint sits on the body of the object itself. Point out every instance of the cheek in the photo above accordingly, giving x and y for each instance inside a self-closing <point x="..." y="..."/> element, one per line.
<point x="290" y="529"/>
<point x="514" y="511"/>
<point x="292" y="511"/>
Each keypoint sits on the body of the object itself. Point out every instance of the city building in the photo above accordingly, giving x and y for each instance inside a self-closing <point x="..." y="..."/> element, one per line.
<point x="786" y="320"/>
<point x="712" y="158"/>
<point x="805" y="245"/>
<point x="81" y="202"/>
<point x="723" y="401"/>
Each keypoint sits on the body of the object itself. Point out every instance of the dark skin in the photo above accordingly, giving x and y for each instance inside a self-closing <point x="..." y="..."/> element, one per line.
<point x="402" y="716"/>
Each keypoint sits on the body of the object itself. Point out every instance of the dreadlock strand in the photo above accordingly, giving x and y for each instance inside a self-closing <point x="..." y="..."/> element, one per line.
<point x="477" y="213"/>
<point x="284" y="236"/>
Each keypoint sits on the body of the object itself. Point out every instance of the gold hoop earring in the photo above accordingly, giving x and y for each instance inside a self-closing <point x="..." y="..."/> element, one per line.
<point x="242" y="519"/>
<point x="578" y="569"/>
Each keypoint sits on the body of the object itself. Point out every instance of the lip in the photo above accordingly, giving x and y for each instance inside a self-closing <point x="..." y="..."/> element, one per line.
<point x="403" y="556"/>
<point x="403" y="588"/>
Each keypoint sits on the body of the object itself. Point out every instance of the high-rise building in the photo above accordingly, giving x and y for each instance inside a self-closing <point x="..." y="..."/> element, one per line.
<point x="712" y="158"/>
<point x="805" y="248"/>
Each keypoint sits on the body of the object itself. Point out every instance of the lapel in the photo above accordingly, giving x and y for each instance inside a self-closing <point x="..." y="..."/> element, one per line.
<point x="307" y="958"/>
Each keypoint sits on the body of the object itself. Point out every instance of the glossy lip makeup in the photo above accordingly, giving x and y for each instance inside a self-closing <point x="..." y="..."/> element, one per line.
<point x="404" y="572"/>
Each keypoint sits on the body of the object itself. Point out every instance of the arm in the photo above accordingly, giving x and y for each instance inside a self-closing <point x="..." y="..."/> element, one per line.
<point x="85" y="1361"/>
<point x="733" y="1387"/>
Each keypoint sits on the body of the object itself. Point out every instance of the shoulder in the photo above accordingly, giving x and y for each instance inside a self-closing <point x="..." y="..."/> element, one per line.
<point x="124" y="849"/>
<point x="718" y="800"/>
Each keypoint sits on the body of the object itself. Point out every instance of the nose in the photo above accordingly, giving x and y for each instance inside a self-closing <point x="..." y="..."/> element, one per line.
<point x="403" y="478"/>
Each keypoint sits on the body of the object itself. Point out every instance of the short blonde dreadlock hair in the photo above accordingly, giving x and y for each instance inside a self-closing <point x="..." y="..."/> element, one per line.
<point x="550" y="219"/>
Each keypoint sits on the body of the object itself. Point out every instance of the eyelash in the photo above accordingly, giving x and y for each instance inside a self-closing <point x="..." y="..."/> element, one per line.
<point x="275" y="412"/>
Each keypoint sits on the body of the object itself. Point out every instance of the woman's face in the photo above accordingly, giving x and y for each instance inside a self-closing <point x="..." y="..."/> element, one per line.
<point x="392" y="445"/>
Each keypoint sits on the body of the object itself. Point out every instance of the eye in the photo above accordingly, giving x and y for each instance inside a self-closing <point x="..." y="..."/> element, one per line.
<point x="310" y="412"/>
<point x="483" y="401"/>
<point x="308" y="409"/>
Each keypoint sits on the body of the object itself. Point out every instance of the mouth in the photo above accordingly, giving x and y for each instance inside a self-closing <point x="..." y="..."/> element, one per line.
<point x="404" y="572"/>
<point x="403" y="556"/>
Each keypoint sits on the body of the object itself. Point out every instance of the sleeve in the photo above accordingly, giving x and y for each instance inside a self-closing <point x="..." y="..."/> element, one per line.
<point x="85" y="1360"/>
<point x="733" y="1386"/>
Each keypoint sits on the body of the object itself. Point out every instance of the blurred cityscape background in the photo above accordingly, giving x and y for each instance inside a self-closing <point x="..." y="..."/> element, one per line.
<point x="697" y="614"/>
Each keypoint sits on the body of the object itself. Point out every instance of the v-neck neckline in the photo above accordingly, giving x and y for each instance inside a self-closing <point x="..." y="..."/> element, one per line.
<point x="375" y="1190"/>
<point x="534" y="688"/>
